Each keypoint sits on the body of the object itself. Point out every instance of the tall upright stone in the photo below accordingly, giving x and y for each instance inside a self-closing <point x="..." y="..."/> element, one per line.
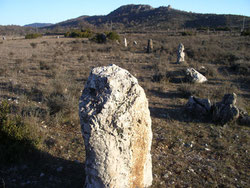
<point x="180" y="53"/>
<point x="150" y="46"/>
<point x="125" y="42"/>
<point x="116" y="127"/>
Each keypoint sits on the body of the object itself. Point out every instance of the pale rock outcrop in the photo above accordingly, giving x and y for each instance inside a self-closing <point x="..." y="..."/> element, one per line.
<point x="180" y="53"/>
<point x="150" y="46"/>
<point x="194" y="76"/>
<point x="116" y="128"/>
<point x="197" y="106"/>
<point x="226" y="110"/>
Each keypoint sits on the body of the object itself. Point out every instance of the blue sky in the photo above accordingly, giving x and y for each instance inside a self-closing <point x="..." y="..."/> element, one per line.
<point x="21" y="12"/>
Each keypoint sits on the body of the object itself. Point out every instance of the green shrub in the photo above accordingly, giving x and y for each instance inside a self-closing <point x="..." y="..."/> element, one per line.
<point x="79" y="34"/>
<point x="112" y="35"/>
<point x="33" y="36"/>
<point x="187" y="33"/>
<point x="16" y="139"/>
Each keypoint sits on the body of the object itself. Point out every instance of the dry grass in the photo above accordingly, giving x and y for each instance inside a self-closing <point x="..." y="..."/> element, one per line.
<point x="42" y="79"/>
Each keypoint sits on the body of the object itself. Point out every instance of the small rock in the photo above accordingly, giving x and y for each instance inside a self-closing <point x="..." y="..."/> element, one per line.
<point x="42" y="174"/>
<point x="194" y="76"/>
<point x="198" y="106"/>
<point x="225" y="111"/>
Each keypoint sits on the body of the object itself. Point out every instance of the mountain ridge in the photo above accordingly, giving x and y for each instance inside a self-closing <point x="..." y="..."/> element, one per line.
<point x="146" y="17"/>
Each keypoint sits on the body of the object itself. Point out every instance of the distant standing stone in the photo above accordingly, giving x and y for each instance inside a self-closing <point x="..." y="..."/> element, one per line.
<point x="4" y="38"/>
<point x="150" y="46"/>
<point x="125" y="42"/>
<point x="180" y="53"/>
<point x="116" y="127"/>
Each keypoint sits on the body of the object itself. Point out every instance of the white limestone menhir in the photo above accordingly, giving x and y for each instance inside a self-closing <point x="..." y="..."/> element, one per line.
<point x="116" y="128"/>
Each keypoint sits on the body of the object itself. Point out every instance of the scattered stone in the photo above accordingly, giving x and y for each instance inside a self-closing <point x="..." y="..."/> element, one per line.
<point x="116" y="128"/>
<point x="226" y="110"/>
<point x="194" y="76"/>
<point x="150" y="46"/>
<point x="198" y="107"/>
<point x="59" y="169"/>
<point x="41" y="175"/>
<point x="4" y="38"/>
<point x="57" y="37"/>
<point x="135" y="43"/>
<point x="125" y="42"/>
<point x="180" y="53"/>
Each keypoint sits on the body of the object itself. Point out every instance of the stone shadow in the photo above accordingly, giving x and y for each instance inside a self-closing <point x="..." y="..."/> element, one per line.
<point x="178" y="113"/>
<point x="170" y="94"/>
<point x="38" y="169"/>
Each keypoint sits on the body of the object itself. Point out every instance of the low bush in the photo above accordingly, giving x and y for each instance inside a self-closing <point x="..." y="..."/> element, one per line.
<point x="112" y="35"/>
<point x="33" y="36"/>
<point x="16" y="137"/>
<point x="79" y="34"/>
<point x="187" y="33"/>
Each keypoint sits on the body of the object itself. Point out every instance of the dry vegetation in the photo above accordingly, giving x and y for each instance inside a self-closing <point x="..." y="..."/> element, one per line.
<point x="42" y="81"/>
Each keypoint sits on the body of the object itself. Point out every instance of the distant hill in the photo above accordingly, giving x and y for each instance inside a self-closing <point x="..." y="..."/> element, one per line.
<point x="38" y="25"/>
<point x="147" y="17"/>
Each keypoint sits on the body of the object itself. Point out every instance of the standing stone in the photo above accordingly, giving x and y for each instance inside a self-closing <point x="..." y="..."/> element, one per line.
<point x="4" y="38"/>
<point x="150" y="46"/>
<point x="116" y="127"/>
<point x="125" y="42"/>
<point x="180" y="53"/>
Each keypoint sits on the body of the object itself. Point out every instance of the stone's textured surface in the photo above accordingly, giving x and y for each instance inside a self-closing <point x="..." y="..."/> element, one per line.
<point x="180" y="53"/>
<point x="198" y="106"/>
<point x="116" y="127"/>
<point x="226" y="111"/>
<point x="194" y="76"/>
<point x="150" y="46"/>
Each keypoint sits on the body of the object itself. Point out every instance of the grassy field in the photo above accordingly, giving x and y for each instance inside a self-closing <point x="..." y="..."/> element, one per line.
<point x="42" y="79"/>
